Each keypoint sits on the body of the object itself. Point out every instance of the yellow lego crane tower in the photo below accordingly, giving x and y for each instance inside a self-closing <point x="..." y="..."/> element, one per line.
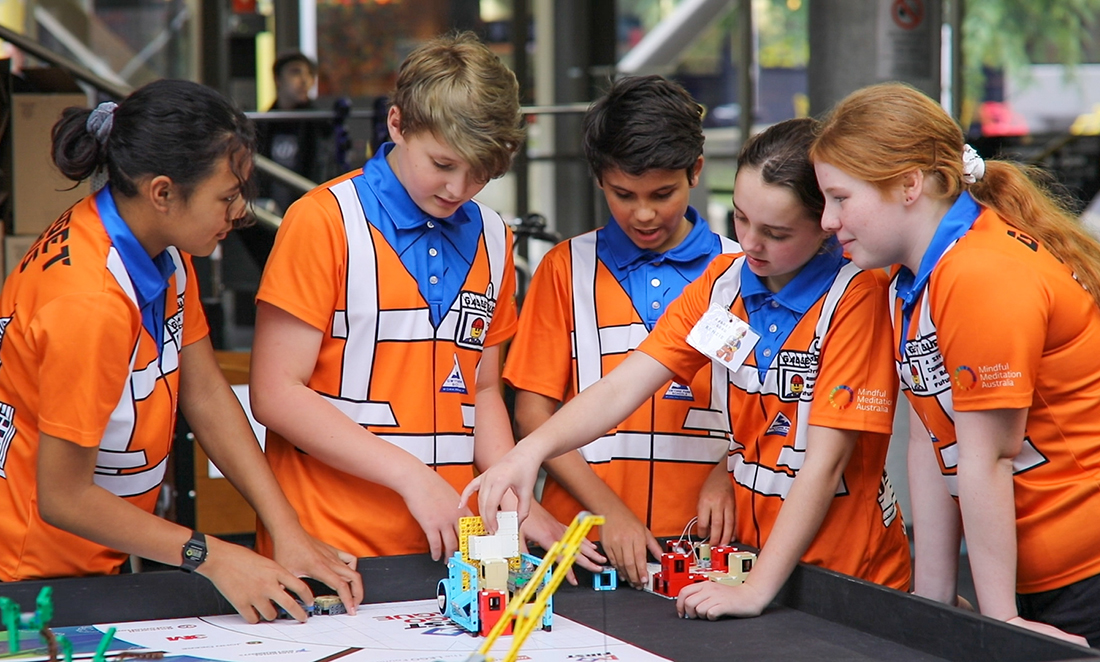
<point x="527" y="605"/>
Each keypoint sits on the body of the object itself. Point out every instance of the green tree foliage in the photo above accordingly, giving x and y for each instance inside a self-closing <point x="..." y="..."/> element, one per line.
<point x="782" y="26"/>
<point x="1012" y="34"/>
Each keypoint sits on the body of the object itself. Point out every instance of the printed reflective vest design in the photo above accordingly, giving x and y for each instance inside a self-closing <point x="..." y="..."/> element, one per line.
<point x="384" y="365"/>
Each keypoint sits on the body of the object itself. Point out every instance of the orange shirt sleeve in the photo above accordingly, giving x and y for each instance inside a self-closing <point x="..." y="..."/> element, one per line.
<point x="667" y="343"/>
<point x="503" y="325"/>
<point x="540" y="359"/>
<point x="306" y="265"/>
<point x="857" y="381"/>
<point x="82" y="368"/>
<point x="991" y="314"/>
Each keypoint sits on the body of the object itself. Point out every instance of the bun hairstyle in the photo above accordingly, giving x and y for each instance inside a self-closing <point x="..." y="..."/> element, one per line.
<point x="174" y="128"/>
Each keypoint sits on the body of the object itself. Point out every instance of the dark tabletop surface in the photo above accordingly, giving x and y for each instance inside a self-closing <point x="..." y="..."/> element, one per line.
<point x="819" y="615"/>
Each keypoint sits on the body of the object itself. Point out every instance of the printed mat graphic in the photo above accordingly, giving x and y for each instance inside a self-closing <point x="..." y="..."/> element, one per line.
<point x="385" y="632"/>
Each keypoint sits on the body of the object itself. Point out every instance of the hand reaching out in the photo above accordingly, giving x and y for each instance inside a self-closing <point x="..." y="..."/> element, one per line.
<point x="711" y="600"/>
<point x="432" y="502"/>
<point x="252" y="583"/>
<point x="305" y="556"/>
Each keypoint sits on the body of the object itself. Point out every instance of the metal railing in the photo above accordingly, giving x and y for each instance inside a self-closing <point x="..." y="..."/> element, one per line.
<point x="119" y="91"/>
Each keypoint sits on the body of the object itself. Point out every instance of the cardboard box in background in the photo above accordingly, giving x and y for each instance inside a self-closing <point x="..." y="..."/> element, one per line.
<point x="15" y="247"/>
<point x="39" y="192"/>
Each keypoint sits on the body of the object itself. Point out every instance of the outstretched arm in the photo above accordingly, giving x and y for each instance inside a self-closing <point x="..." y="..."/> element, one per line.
<point x="221" y="427"/>
<point x="592" y="413"/>
<point x="624" y="537"/>
<point x="827" y="453"/>
<point x="69" y="499"/>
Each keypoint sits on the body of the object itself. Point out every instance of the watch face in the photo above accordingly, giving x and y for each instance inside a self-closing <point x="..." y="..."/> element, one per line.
<point x="194" y="552"/>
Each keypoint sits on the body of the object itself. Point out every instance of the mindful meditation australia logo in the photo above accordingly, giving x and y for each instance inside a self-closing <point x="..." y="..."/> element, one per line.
<point x="965" y="378"/>
<point x="841" y="397"/>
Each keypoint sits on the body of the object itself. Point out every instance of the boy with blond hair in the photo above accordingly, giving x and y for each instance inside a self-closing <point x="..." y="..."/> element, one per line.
<point x="382" y="311"/>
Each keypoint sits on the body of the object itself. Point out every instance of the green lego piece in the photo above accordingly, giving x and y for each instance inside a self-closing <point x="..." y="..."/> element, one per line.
<point x="101" y="650"/>
<point x="44" y="607"/>
<point x="9" y="613"/>
<point x="66" y="647"/>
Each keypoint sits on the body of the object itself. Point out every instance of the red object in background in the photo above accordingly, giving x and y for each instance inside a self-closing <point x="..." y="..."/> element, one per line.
<point x="490" y="607"/>
<point x="998" y="119"/>
<point x="244" y="6"/>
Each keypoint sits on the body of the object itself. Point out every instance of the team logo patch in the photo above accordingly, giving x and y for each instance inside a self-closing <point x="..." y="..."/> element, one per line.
<point x="454" y="382"/>
<point x="173" y="326"/>
<point x="474" y="313"/>
<point x="841" y="397"/>
<point x="780" y="427"/>
<point x="965" y="378"/>
<point x="926" y="373"/>
<point x="797" y="373"/>
<point x="678" y="391"/>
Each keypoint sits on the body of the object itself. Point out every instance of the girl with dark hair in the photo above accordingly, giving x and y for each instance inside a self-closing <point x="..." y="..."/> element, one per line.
<point x="103" y="336"/>
<point x="996" y="325"/>
<point x="802" y="335"/>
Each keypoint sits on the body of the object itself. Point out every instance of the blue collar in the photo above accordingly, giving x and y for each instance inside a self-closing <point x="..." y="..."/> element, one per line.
<point x="956" y="222"/>
<point x="774" y="315"/>
<point x="437" y="253"/>
<point x="395" y="198"/>
<point x="149" y="274"/>
<point x="627" y="256"/>
<point x="814" y="279"/>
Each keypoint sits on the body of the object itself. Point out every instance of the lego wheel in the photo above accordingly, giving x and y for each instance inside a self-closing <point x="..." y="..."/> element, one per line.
<point x="441" y="596"/>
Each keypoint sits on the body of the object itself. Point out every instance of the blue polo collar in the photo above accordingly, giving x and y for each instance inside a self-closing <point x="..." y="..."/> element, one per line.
<point x="815" y="278"/>
<point x="438" y="253"/>
<point x="627" y="256"/>
<point x="149" y="275"/>
<point x="774" y="315"/>
<point x="956" y="222"/>
<point x="395" y="199"/>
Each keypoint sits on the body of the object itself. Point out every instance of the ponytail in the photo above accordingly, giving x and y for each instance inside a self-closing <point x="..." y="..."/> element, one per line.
<point x="76" y="152"/>
<point x="1024" y="197"/>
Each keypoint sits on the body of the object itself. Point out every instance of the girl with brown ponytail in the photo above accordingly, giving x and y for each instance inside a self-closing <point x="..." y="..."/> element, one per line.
<point x="995" y="292"/>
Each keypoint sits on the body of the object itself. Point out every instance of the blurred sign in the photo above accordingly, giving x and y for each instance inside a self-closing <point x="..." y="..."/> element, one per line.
<point x="905" y="41"/>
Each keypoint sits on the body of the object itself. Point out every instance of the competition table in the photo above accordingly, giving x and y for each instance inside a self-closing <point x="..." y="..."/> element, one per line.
<point x="819" y="615"/>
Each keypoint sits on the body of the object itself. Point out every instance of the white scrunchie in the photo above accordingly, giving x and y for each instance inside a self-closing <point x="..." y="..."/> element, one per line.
<point x="973" y="165"/>
<point x="101" y="121"/>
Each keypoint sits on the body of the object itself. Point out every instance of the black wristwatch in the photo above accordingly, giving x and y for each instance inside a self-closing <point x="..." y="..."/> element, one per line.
<point x="194" y="552"/>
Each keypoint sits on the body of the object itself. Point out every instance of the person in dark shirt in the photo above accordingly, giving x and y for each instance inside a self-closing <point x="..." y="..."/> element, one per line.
<point x="304" y="146"/>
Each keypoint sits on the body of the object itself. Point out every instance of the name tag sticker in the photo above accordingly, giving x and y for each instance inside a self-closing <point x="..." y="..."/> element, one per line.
<point x="723" y="336"/>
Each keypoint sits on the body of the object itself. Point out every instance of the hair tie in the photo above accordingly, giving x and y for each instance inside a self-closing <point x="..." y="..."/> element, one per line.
<point x="101" y="121"/>
<point x="973" y="165"/>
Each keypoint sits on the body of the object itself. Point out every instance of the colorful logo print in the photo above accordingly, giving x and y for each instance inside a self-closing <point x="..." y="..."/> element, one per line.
<point x="965" y="378"/>
<point x="841" y="397"/>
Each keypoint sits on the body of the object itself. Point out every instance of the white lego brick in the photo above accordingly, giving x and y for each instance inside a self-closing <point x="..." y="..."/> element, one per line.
<point x="508" y="523"/>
